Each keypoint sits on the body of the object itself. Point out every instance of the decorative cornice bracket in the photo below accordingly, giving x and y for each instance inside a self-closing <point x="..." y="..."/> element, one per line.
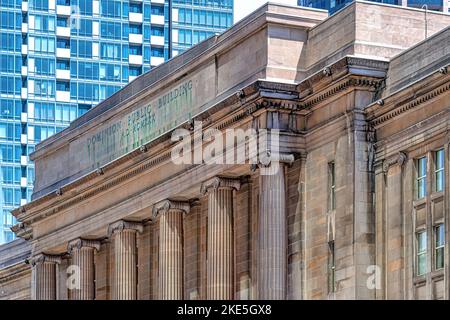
<point x="398" y="159"/>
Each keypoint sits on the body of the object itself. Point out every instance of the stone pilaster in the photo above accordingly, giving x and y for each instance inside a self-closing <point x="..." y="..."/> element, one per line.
<point x="170" y="268"/>
<point x="123" y="234"/>
<point x="82" y="254"/>
<point x="44" y="276"/>
<point x="220" y="265"/>
<point x="393" y="227"/>
<point x="272" y="230"/>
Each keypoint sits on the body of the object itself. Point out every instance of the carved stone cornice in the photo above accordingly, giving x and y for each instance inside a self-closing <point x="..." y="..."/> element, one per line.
<point x="310" y="99"/>
<point x="122" y="225"/>
<point x="14" y="272"/>
<point x="23" y="230"/>
<point x="416" y="101"/>
<point x="398" y="159"/>
<point x="166" y="205"/>
<point x="82" y="243"/>
<point x="220" y="182"/>
<point x="43" y="258"/>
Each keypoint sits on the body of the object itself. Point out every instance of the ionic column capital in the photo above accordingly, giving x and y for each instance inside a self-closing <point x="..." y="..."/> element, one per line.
<point x="220" y="183"/>
<point x="397" y="159"/>
<point x="285" y="158"/>
<point x="122" y="225"/>
<point x="267" y="162"/>
<point x="83" y="243"/>
<point x="44" y="258"/>
<point x="166" y="205"/>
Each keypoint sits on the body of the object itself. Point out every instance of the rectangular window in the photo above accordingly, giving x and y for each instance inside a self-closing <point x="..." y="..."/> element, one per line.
<point x="421" y="252"/>
<point x="135" y="7"/>
<point x="421" y="177"/>
<point x="439" y="170"/>
<point x="157" y="10"/>
<point x="331" y="267"/>
<point x="331" y="186"/>
<point x="439" y="235"/>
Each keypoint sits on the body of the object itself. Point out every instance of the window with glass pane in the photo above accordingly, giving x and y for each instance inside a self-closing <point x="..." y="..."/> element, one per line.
<point x="439" y="170"/>
<point x="439" y="246"/>
<point x="421" y="252"/>
<point x="421" y="177"/>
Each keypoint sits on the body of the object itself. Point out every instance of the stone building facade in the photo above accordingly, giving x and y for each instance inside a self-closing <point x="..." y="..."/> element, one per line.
<point x="350" y="203"/>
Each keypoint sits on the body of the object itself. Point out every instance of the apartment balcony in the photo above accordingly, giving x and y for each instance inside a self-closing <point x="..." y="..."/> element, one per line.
<point x="24" y="49"/>
<point x="131" y="78"/>
<point x="157" y="41"/>
<point x="23" y="139"/>
<point x="62" y="96"/>
<point x="24" y="117"/>
<point x="63" y="10"/>
<point x="135" y="59"/>
<point x="135" y="17"/>
<point x="24" y="71"/>
<point x="24" y="27"/>
<point x="24" y="93"/>
<point x="23" y="160"/>
<point x="156" y="61"/>
<point x="157" y="1"/>
<point x="135" y="38"/>
<point x="63" y="53"/>
<point x="155" y="19"/>
<point x="63" y="32"/>
<point x="62" y="74"/>
<point x="24" y="6"/>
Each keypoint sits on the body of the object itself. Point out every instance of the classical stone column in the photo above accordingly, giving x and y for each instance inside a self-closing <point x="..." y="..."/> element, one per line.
<point x="82" y="254"/>
<point x="44" y="276"/>
<point x="170" y="269"/>
<point x="220" y="254"/>
<point x="272" y="230"/>
<point x="123" y="234"/>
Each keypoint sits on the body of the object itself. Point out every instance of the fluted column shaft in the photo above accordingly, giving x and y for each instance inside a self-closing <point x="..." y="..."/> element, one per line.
<point x="171" y="255"/>
<point x="44" y="277"/>
<point x="220" y="244"/>
<point x="220" y="254"/>
<point x="125" y="260"/>
<point x="272" y="236"/>
<point x="82" y="252"/>
<point x="170" y="264"/>
<point x="125" y="265"/>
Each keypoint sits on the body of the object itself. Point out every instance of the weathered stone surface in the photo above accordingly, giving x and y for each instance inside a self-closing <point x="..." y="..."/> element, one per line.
<point x="358" y="90"/>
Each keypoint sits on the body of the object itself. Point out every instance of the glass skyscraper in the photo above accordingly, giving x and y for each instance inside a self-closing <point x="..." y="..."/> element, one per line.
<point x="61" y="57"/>
<point x="334" y="5"/>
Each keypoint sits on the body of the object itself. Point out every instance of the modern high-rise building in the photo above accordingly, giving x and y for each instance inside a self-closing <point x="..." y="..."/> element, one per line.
<point x="61" y="57"/>
<point x="334" y="5"/>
